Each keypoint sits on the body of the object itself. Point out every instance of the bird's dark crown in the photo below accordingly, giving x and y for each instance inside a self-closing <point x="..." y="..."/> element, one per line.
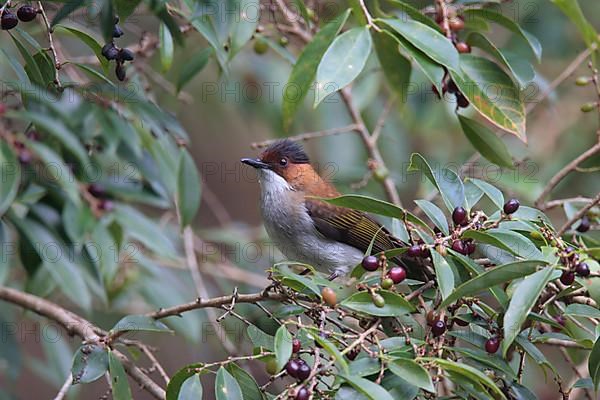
<point x="284" y="149"/>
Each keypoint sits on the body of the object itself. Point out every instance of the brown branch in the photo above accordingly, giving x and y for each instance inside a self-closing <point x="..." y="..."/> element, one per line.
<point x="579" y="214"/>
<point x="557" y="203"/>
<point x="51" y="45"/>
<point x="309" y="135"/>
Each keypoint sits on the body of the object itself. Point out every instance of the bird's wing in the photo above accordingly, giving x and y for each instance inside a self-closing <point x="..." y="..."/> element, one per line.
<point x="349" y="226"/>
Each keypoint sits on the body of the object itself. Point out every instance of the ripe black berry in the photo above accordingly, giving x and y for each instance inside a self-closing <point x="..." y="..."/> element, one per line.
<point x="459" y="247"/>
<point x="120" y="72"/>
<point x="567" y="277"/>
<point x="414" y="251"/>
<point x="584" y="225"/>
<point x="370" y="263"/>
<point x="461" y="101"/>
<point x="397" y="274"/>
<point x="461" y="322"/>
<point x="296" y="345"/>
<point x="303" y="371"/>
<point x="459" y="216"/>
<point x="292" y="367"/>
<point x="302" y="394"/>
<point x="26" y="13"/>
<point x="126" y="55"/>
<point x="511" y="206"/>
<point x="438" y="328"/>
<point x="109" y="51"/>
<point x="117" y="32"/>
<point x="583" y="270"/>
<point x="470" y="246"/>
<point x="492" y="345"/>
<point x="8" y="20"/>
<point x="352" y="354"/>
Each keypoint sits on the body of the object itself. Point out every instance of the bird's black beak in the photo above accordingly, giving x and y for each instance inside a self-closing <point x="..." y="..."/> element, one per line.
<point x="255" y="163"/>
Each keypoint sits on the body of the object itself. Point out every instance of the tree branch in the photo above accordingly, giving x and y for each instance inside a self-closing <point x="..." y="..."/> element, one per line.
<point x="579" y="215"/>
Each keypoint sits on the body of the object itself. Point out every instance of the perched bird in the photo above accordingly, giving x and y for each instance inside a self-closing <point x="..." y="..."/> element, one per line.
<point x="304" y="228"/>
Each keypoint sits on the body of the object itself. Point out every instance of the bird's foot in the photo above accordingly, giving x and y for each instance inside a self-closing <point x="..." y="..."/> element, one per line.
<point x="333" y="275"/>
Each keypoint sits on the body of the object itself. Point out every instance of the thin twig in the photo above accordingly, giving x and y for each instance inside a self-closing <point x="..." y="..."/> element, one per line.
<point x="579" y="215"/>
<point x="51" y="45"/>
<point x="309" y="135"/>
<point x="65" y="388"/>
<point x="382" y="118"/>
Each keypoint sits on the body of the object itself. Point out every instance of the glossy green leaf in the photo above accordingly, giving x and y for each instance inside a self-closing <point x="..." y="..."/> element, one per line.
<point x="443" y="274"/>
<point x="125" y="8"/>
<point x="395" y="305"/>
<point x="370" y="389"/>
<point x="472" y="194"/>
<point x="188" y="188"/>
<point x="435" y="214"/>
<point x="493" y="193"/>
<point x="11" y="176"/>
<point x="260" y="338"/>
<point x="305" y="70"/>
<point x="244" y="23"/>
<point x="31" y="67"/>
<point x="342" y="62"/>
<point x="492" y="93"/>
<point x="532" y="351"/>
<point x="594" y="364"/>
<point x="396" y="67"/>
<point x="193" y="66"/>
<point x="191" y="389"/>
<point x="283" y="346"/>
<point x="118" y="378"/>
<point x="508" y="23"/>
<point x="510" y="241"/>
<point x="521" y="70"/>
<point x="226" y="387"/>
<point x="89" y="41"/>
<point x="16" y="66"/>
<point x="572" y="10"/>
<point x="303" y="11"/>
<point x="435" y="45"/>
<point x="414" y="13"/>
<point x="487" y="359"/>
<point x="139" y="323"/>
<point x="205" y="27"/>
<point x="447" y="182"/>
<point x="247" y="383"/>
<point x="521" y="303"/>
<point x="166" y="48"/>
<point x="486" y="142"/>
<point x="412" y="372"/>
<point x="582" y="310"/>
<point x="92" y="72"/>
<point x="175" y="385"/>
<point x="89" y="364"/>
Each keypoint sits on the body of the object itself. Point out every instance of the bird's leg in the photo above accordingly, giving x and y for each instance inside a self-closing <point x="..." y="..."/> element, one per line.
<point x="333" y="275"/>
<point x="305" y="272"/>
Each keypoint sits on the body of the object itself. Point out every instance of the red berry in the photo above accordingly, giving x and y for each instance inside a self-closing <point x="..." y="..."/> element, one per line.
<point x="302" y="394"/>
<point x="296" y="345"/>
<point x="292" y="367"/>
<point x="584" y="225"/>
<point x="511" y="206"/>
<point x="370" y="263"/>
<point x="415" y="251"/>
<point x="303" y="371"/>
<point x="463" y="47"/>
<point x="583" y="270"/>
<point x="438" y="328"/>
<point x="397" y="274"/>
<point x="8" y="20"/>
<point x="492" y="345"/>
<point x="26" y="13"/>
<point x="459" y="247"/>
<point x="567" y="277"/>
<point x="459" y="216"/>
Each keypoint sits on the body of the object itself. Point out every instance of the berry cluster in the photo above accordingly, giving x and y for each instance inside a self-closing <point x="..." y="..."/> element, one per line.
<point x="25" y="13"/>
<point x="103" y="204"/>
<point x="456" y="23"/>
<point x="120" y="55"/>
<point x="393" y="277"/>
<point x="573" y="265"/>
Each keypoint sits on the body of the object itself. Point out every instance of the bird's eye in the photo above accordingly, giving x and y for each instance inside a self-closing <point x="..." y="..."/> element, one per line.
<point x="283" y="162"/>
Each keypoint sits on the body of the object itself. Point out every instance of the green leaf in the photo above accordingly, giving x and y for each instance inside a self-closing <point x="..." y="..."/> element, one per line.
<point x="443" y="274"/>
<point x="66" y="10"/>
<point x="503" y="108"/>
<point x="435" y="45"/>
<point x="191" y="389"/>
<point x="572" y="10"/>
<point x="11" y="176"/>
<point x="304" y="71"/>
<point x="31" y="67"/>
<point x="16" y="66"/>
<point x="521" y="70"/>
<point x="342" y="62"/>
<point x="249" y="387"/>
<point x="118" y="378"/>
<point x="175" y="385"/>
<point x="523" y="300"/>
<point x="396" y="67"/>
<point x="582" y="310"/>
<point x="492" y="277"/>
<point x="260" y="338"/>
<point x="412" y="372"/>
<point x="435" y="215"/>
<point x="594" y="364"/>
<point x="472" y="194"/>
<point x="194" y="65"/>
<point x="469" y="373"/>
<point x="166" y="47"/>
<point x="486" y="142"/>
<point x="226" y="387"/>
<point x="509" y="24"/>
<point x="333" y="351"/>
<point x="532" y="351"/>
<point x="244" y="24"/>
<point x="292" y="277"/>
<point x="510" y="241"/>
<point x="283" y="346"/>
<point x="485" y="358"/>
<point x="188" y="188"/>
<point x="372" y="390"/>
<point x="414" y="13"/>
<point x="493" y="193"/>
<point x="395" y="305"/>
<point x="89" y="364"/>
<point x="447" y="182"/>
<point x="204" y="26"/>
<point x="88" y="40"/>
<point x="139" y="323"/>
<point x="92" y="72"/>
<point x="125" y="8"/>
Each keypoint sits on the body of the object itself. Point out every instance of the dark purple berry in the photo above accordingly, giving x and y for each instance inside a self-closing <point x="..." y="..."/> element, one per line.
<point x="302" y="394"/>
<point x="459" y="247"/>
<point x="492" y="345"/>
<point x="461" y="322"/>
<point x="567" y="277"/>
<point x="459" y="216"/>
<point x="397" y="274"/>
<point x="583" y="270"/>
<point x="97" y="190"/>
<point x="452" y="88"/>
<point x="117" y="32"/>
<point x="370" y="263"/>
<point x="414" y="251"/>
<point x="470" y="246"/>
<point x="296" y="345"/>
<point x="511" y="206"/>
<point x="126" y="55"/>
<point x="292" y="367"/>
<point x="352" y="354"/>
<point x="8" y="20"/>
<point x="438" y="328"/>
<point x="109" y="51"/>
<point x="303" y="371"/>
<point x="461" y="101"/>
<point x="26" y="13"/>
<point x="584" y="225"/>
<point x="120" y="72"/>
